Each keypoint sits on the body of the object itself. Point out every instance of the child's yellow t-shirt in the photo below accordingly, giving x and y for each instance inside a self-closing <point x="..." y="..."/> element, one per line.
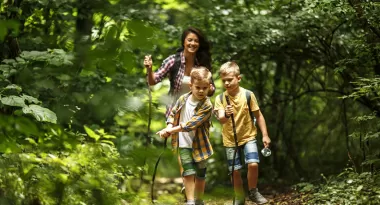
<point x="245" y="129"/>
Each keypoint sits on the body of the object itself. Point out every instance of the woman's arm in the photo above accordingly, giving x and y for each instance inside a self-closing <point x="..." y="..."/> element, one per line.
<point x="148" y="65"/>
<point x="156" y="77"/>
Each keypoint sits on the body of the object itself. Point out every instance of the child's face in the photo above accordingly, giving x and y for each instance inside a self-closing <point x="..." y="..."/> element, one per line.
<point x="230" y="81"/>
<point x="199" y="88"/>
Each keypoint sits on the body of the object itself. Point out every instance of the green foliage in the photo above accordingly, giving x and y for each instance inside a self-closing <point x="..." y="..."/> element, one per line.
<point x="11" y="95"/>
<point x="367" y="132"/>
<point x="81" y="68"/>
<point x="346" y="188"/>
<point x="369" y="87"/>
<point x="87" y="173"/>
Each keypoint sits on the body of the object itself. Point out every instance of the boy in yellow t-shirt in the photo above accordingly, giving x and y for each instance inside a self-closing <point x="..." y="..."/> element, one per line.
<point x="245" y="131"/>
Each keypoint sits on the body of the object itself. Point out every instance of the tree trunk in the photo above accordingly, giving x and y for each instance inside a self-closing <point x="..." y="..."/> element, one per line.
<point x="10" y="48"/>
<point x="84" y="26"/>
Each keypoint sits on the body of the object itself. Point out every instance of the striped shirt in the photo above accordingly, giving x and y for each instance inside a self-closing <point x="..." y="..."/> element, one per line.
<point x="200" y="122"/>
<point x="164" y="70"/>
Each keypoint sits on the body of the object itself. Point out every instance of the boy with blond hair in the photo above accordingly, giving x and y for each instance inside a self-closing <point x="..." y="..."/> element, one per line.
<point x="188" y="124"/>
<point x="245" y="131"/>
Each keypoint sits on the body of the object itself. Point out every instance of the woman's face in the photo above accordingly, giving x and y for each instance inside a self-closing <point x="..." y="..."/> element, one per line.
<point x="191" y="43"/>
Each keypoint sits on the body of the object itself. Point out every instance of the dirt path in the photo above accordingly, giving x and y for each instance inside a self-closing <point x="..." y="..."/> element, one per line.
<point x="169" y="193"/>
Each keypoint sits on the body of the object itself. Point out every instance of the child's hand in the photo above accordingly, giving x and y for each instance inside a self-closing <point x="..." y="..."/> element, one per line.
<point x="266" y="141"/>
<point x="228" y="110"/>
<point x="163" y="133"/>
<point x="148" y="61"/>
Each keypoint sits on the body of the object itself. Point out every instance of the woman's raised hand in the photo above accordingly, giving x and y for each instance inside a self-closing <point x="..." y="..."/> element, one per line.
<point x="148" y="62"/>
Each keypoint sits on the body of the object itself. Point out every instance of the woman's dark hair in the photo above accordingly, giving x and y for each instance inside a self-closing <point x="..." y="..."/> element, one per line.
<point x="203" y="54"/>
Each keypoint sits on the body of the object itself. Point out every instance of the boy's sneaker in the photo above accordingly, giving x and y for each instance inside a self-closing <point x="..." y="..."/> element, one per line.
<point x="256" y="197"/>
<point x="190" y="203"/>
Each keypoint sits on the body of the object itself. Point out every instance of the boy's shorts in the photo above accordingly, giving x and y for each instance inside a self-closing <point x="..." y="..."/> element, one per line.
<point x="189" y="166"/>
<point x="250" y="152"/>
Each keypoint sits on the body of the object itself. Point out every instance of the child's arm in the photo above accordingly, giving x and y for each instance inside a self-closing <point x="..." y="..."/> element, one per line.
<point x="169" y="130"/>
<point x="198" y="119"/>
<point x="172" y="129"/>
<point x="263" y="127"/>
<point x="165" y="132"/>
<point x="225" y="114"/>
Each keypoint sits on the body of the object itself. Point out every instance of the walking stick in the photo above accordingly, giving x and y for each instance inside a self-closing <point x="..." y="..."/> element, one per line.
<point x="155" y="170"/>
<point x="148" y="138"/>
<point x="236" y="146"/>
<point x="148" y="141"/>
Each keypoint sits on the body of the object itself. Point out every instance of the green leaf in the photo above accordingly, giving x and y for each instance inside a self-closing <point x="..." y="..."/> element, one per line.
<point x="12" y="89"/>
<point x="63" y="177"/>
<point x="40" y="113"/>
<point x="27" y="167"/>
<point x="9" y="61"/>
<point x="91" y="133"/>
<point x="109" y="136"/>
<point x="108" y="142"/>
<point x="31" y="99"/>
<point x="9" y="147"/>
<point x="5" y="68"/>
<point x="64" y="77"/>
<point x="31" y="141"/>
<point x="13" y="101"/>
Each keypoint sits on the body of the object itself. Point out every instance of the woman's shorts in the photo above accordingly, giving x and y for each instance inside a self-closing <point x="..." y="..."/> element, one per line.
<point x="250" y="152"/>
<point x="189" y="166"/>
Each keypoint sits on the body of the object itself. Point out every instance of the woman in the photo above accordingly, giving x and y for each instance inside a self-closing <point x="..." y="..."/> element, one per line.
<point x="195" y="51"/>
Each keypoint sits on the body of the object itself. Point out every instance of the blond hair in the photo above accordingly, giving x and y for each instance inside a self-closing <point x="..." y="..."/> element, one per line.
<point x="229" y="67"/>
<point x="200" y="73"/>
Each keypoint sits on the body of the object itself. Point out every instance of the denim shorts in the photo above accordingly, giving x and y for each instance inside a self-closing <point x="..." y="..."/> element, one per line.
<point x="250" y="152"/>
<point x="189" y="166"/>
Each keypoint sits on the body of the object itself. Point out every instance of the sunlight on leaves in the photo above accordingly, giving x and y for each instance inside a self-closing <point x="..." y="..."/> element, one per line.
<point x="40" y="113"/>
<point x="13" y="101"/>
<point x="91" y="133"/>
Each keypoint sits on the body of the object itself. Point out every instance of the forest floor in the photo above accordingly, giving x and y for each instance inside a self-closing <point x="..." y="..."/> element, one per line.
<point x="223" y="195"/>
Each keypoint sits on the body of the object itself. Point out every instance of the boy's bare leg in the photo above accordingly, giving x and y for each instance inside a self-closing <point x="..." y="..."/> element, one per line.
<point x="180" y="166"/>
<point x="183" y="191"/>
<point x="199" y="188"/>
<point x="252" y="175"/>
<point x="189" y="187"/>
<point x="238" y="184"/>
